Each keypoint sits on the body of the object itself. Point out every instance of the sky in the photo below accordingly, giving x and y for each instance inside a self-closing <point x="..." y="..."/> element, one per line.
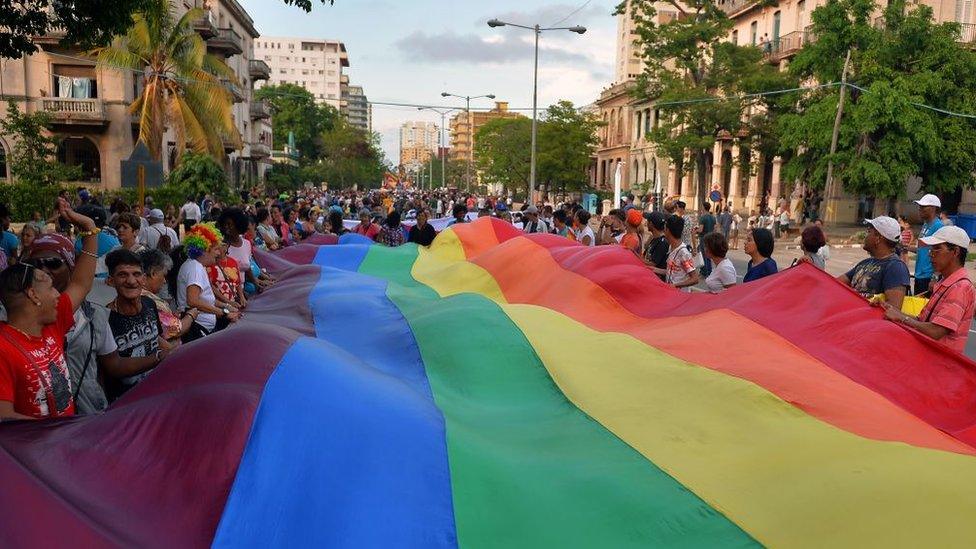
<point x="411" y="51"/>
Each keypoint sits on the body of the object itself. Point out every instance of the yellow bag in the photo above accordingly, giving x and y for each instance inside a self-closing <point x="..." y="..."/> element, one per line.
<point x="912" y="305"/>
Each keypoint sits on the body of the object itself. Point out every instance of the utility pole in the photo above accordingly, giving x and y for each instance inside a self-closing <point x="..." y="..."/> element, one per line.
<point x="829" y="185"/>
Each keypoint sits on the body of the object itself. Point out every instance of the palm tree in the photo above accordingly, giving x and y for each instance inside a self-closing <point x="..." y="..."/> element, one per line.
<point x="182" y="82"/>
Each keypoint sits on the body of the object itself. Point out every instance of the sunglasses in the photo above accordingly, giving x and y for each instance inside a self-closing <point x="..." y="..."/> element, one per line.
<point x="49" y="263"/>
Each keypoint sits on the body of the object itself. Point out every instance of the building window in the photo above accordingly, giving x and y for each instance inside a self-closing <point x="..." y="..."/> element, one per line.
<point x="647" y="122"/>
<point x="3" y="162"/>
<point x="753" y="30"/>
<point x="735" y="37"/>
<point x="80" y="151"/>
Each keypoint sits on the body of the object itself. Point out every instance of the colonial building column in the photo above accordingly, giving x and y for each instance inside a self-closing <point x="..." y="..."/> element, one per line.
<point x="672" y="183"/>
<point x="734" y="173"/>
<point x="716" y="166"/>
<point x="775" y="187"/>
<point x="753" y="198"/>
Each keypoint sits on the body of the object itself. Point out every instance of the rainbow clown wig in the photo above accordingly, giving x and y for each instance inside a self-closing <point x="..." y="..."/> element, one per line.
<point x="201" y="238"/>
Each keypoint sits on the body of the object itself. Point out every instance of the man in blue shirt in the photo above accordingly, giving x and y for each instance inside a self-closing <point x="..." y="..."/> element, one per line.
<point x="928" y="210"/>
<point x="884" y="272"/>
<point x="8" y="241"/>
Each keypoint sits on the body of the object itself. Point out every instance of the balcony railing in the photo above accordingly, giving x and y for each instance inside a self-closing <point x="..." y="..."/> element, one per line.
<point x="227" y="41"/>
<point x="967" y="33"/>
<point x="206" y="26"/>
<point x="260" y="150"/>
<point x="260" y="110"/>
<point x="259" y="70"/>
<point x="234" y="89"/>
<point x="734" y="6"/>
<point x="787" y="45"/>
<point x="74" y="111"/>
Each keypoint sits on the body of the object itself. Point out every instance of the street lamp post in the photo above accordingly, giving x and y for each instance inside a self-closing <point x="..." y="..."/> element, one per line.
<point x="467" y="112"/>
<point x="440" y="141"/>
<point x="537" y="30"/>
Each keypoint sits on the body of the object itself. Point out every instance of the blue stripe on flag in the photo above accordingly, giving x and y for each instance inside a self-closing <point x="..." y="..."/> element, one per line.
<point x="365" y="417"/>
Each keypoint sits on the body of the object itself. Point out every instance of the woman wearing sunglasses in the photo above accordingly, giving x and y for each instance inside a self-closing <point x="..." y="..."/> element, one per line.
<point x="34" y="376"/>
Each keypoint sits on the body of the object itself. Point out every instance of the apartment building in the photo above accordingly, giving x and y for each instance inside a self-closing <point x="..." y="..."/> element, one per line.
<point x="359" y="113"/>
<point x="418" y="143"/>
<point x="314" y="64"/>
<point x="747" y="178"/>
<point x="89" y="104"/>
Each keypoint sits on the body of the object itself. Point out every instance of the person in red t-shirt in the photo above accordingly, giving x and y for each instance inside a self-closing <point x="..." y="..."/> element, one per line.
<point x="34" y="378"/>
<point x="366" y="226"/>
<point x="225" y="278"/>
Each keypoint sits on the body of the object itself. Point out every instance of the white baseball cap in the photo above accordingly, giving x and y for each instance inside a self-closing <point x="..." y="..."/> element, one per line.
<point x="950" y="235"/>
<point x="887" y="226"/>
<point x="929" y="200"/>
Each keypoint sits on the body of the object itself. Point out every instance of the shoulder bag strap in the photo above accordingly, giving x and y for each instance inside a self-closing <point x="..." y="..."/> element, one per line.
<point x="941" y="295"/>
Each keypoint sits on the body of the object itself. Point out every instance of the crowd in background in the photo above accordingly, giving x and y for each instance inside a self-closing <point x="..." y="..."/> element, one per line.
<point x="96" y="296"/>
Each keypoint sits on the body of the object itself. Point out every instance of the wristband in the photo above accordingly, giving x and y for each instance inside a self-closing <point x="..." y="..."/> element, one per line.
<point x="93" y="232"/>
<point x="90" y="254"/>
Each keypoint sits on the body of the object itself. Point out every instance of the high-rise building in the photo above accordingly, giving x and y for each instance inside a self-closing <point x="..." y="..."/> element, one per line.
<point x="358" y="110"/>
<point x="418" y="143"/>
<point x="312" y="63"/>
<point x="89" y="104"/>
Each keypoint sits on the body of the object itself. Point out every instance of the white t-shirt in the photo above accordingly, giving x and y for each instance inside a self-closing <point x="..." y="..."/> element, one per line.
<point x="241" y="254"/>
<point x="191" y="211"/>
<point x="193" y="273"/>
<point x="586" y="231"/>
<point x="155" y="231"/>
<point x="722" y="275"/>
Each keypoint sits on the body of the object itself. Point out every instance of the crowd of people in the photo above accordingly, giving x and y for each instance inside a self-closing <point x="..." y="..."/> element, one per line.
<point x="175" y="275"/>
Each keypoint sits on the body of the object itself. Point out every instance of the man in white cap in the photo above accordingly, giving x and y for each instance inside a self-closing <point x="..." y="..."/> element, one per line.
<point x="884" y="272"/>
<point x="928" y="210"/>
<point x="532" y="222"/>
<point x="158" y="235"/>
<point x="948" y="314"/>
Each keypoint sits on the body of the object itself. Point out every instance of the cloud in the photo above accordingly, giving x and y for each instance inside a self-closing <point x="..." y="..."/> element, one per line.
<point x="550" y="15"/>
<point x="451" y="47"/>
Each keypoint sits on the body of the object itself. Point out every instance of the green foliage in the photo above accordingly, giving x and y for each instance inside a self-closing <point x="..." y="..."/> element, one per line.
<point x="689" y="65"/>
<point x="566" y="140"/>
<point x="24" y="199"/>
<point x="33" y="160"/>
<point x="884" y="138"/>
<point x="454" y="172"/>
<point x="86" y="23"/>
<point x="199" y="173"/>
<point x="295" y="111"/>
<point x="351" y="157"/>
<point x="502" y="152"/>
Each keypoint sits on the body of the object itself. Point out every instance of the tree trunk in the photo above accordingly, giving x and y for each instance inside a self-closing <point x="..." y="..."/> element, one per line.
<point x="702" y="192"/>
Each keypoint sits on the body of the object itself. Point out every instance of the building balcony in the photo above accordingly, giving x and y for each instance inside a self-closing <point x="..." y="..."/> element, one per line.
<point x="786" y="45"/>
<point x="260" y="150"/>
<point x="735" y="6"/>
<point x="226" y="41"/>
<point x="52" y="37"/>
<point x="259" y="70"/>
<point x="236" y="91"/>
<point x="75" y="111"/>
<point x="967" y="33"/>
<point x="260" y="110"/>
<point x="206" y="26"/>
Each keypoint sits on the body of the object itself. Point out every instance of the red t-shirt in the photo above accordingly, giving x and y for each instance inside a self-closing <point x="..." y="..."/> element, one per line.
<point x="369" y="231"/>
<point x="33" y="370"/>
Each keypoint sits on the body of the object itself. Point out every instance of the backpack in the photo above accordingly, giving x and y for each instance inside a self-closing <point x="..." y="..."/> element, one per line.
<point x="165" y="243"/>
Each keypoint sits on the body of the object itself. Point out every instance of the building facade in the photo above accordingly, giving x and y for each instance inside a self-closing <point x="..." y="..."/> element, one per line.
<point x="359" y="113"/>
<point x="314" y="64"/>
<point x="418" y="143"/>
<point x="746" y="178"/>
<point x="89" y="104"/>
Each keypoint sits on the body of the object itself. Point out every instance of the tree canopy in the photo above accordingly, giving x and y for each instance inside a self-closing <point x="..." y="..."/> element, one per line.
<point x="296" y="112"/>
<point x="902" y="60"/>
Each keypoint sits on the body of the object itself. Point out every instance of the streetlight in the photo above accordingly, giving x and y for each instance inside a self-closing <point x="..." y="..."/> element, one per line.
<point x="440" y="140"/>
<point x="493" y="23"/>
<point x="467" y="112"/>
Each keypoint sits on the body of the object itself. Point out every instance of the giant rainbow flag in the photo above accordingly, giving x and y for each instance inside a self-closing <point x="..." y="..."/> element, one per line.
<point x="505" y="390"/>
